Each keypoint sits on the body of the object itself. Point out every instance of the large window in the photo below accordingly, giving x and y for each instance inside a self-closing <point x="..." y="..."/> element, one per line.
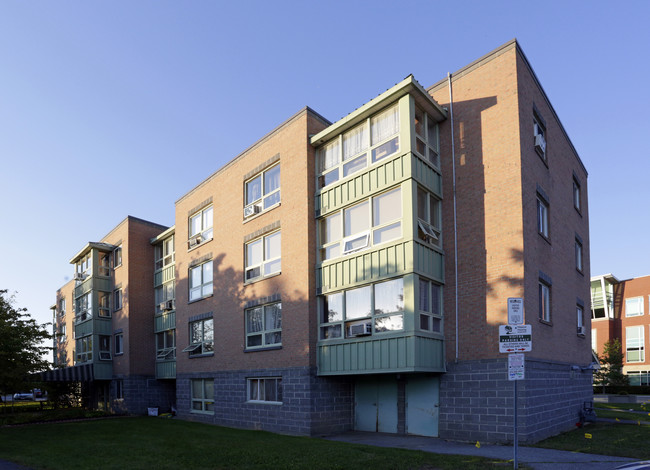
<point x="164" y="253"/>
<point x="264" y="326"/>
<point x="426" y="137"/>
<point x="104" y="347"/>
<point x="84" y="307"/>
<point x="371" y="222"/>
<point x="634" y="307"/>
<point x="85" y="349"/>
<point x="202" y="395"/>
<point x="430" y="306"/>
<point x="363" y="311"/>
<point x="201" y="337"/>
<point x="635" y="344"/>
<point x="372" y="140"/>
<point x="429" y="217"/>
<point x="265" y="389"/>
<point x="544" y="301"/>
<point x="166" y="345"/>
<point x="201" y="281"/>
<point x="542" y="216"/>
<point x="262" y="191"/>
<point x="200" y="227"/>
<point x="263" y="256"/>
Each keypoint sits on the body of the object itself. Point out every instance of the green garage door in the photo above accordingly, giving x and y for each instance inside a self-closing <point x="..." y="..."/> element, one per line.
<point x="422" y="402"/>
<point x="375" y="404"/>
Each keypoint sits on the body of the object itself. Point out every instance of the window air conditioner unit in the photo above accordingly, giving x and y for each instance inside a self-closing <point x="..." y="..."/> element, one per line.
<point x="169" y="305"/>
<point x="361" y="329"/>
<point x="581" y="330"/>
<point x="79" y="276"/>
<point x="252" y="209"/>
<point x="540" y="143"/>
<point x="162" y="306"/>
<point x="195" y="241"/>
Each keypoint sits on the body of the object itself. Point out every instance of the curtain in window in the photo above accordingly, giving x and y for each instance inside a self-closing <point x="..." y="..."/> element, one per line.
<point x="357" y="303"/>
<point x="273" y="315"/>
<point x="389" y="296"/>
<point x="355" y="141"/>
<point x="272" y="179"/>
<point x="329" y="155"/>
<point x="254" y="320"/>
<point x="385" y="125"/>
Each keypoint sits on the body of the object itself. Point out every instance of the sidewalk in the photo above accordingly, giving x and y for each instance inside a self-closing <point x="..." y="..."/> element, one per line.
<point x="538" y="459"/>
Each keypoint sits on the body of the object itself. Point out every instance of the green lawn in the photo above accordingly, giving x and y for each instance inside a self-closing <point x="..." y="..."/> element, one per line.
<point x="158" y="443"/>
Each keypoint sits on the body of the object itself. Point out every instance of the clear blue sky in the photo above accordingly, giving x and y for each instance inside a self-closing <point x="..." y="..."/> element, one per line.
<point x="118" y="108"/>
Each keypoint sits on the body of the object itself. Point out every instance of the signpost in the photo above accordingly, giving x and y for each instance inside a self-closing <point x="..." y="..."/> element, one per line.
<point x="515" y="338"/>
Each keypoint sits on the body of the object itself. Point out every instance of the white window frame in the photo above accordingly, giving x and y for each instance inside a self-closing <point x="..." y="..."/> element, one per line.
<point x="105" y="264"/>
<point x="429" y="306"/>
<point x="578" y="255"/>
<point x="635" y="343"/>
<point x="427" y="140"/>
<point x="62" y="307"/>
<point x="205" y="288"/>
<point x="105" y="348"/>
<point x="268" y="265"/>
<point x="118" y="300"/>
<point x="205" y="232"/>
<point x="199" y="345"/>
<point x="168" y="350"/>
<point x="165" y="297"/>
<point x="62" y="333"/>
<point x="544" y="291"/>
<point x="270" y="335"/>
<point x="117" y="257"/>
<point x="84" y="307"/>
<point x="257" y="389"/>
<point x="539" y="132"/>
<point x="119" y="343"/>
<point x="268" y="198"/>
<point x="363" y="239"/>
<point x="542" y="217"/>
<point x="104" y="304"/>
<point x="335" y="149"/>
<point x="164" y="253"/>
<point x="84" y="349"/>
<point x="580" y="320"/>
<point x="632" y="310"/>
<point x="206" y="399"/>
<point x="84" y="266"/>
<point x="429" y="230"/>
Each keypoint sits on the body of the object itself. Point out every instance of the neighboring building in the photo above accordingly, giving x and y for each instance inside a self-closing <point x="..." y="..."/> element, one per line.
<point x="353" y="275"/>
<point x="620" y="310"/>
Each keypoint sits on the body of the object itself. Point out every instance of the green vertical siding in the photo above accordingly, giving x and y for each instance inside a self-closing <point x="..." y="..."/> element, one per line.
<point x="166" y="321"/>
<point x="166" y="370"/>
<point x="103" y="370"/>
<point x="429" y="261"/>
<point x="165" y="275"/>
<point x="426" y="175"/>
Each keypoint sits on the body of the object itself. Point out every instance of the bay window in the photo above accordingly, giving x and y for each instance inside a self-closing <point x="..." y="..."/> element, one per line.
<point x="426" y="137"/>
<point x="429" y="217"/>
<point x="430" y="306"/>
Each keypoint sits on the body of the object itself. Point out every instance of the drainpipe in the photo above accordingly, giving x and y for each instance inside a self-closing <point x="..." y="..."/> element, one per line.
<point x="453" y="176"/>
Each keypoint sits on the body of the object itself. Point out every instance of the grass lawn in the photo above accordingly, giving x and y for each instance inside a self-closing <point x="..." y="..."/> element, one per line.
<point x="622" y="411"/>
<point x="622" y="440"/>
<point x="159" y="443"/>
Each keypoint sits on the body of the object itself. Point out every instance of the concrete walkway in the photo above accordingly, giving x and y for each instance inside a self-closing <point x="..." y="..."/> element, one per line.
<point x="538" y="459"/>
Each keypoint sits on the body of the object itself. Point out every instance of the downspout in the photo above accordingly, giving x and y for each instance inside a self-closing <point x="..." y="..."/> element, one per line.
<point x="453" y="176"/>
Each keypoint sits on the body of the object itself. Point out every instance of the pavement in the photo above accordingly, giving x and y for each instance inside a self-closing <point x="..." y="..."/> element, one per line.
<point x="536" y="458"/>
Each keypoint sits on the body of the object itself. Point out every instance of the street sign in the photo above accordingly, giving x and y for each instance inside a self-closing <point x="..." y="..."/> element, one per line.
<point x="516" y="367"/>
<point x="515" y="311"/>
<point x="515" y="338"/>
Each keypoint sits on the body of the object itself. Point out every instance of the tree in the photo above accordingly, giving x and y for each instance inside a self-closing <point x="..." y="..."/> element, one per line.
<point x="611" y="365"/>
<point x="22" y="346"/>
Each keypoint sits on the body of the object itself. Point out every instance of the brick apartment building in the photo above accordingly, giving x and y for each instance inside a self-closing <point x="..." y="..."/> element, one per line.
<point x="619" y="310"/>
<point x="353" y="275"/>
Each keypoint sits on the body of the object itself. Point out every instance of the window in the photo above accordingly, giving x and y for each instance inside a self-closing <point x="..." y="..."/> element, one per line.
<point x="372" y="140"/>
<point x="266" y="389"/>
<point x="119" y="389"/>
<point x="104" y="347"/>
<point x="371" y="222"/>
<point x="84" y="266"/>
<point x="85" y="349"/>
<point x="105" y="264"/>
<point x="119" y="343"/>
<point x="426" y="137"/>
<point x="117" y="257"/>
<point x="62" y="333"/>
<point x="542" y="216"/>
<point x="201" y="281"/>
<point x="428" y="217"/>
<point x="262" y="191"/>
<point x="202" y="395"/>
<point x="164" y="253"/>
<point x="263" y="256"/>
<point x="539" y="136"/>
<point x="361" y="311"/>
<point x="578" y="249"/>
<point x="264" y="326"/>
<point x="117" y="299"/>
<point x="164" y="297"/>
<point x="62" y="307"/>
<point x="634" y="307"/>
<point x="635" y="344"/>
<point x="200" y="227"/>
<point x="577" y="196"/>
<point x="544" y="301"/>
<point x="166" y="345"/>
<point x="84" y="307"/>
<point x="430" y="305"/>
<point x="201" y="337"/>
<point x="580" y="320"/>
<point x="104" y="304"/>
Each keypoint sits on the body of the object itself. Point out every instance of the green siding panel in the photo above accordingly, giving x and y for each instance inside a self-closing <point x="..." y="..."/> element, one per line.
<point x="166" y="370"/>
<point x="376" y="355"/>
<point x="429" y="261"/>
<point x="83" y="329"/>
<point x="426" y="175"/>
<point x="165" y="275"/>
<point x="166" y="321"/>
<point x="103" y="326"/>
<point x="103" y="370"/>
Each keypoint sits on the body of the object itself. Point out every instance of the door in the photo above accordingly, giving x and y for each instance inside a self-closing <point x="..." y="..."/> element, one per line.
<point x="422" y="406"/>
<point x="375" y="404"/>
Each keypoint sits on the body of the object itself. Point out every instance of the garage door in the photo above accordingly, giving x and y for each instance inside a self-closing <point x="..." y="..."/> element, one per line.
<point x="375" y="407"/>
<point x="422" y="405"/>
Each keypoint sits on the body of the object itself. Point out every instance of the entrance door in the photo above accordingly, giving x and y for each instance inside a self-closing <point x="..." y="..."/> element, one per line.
<point x="375" y="407"/>
<point x="422" y="405"/>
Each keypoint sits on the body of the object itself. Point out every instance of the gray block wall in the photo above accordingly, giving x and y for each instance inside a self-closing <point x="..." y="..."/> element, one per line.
<point x="142" y="392"/>
<point x="476" y="400"/>
<point x="311" y="405"/>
